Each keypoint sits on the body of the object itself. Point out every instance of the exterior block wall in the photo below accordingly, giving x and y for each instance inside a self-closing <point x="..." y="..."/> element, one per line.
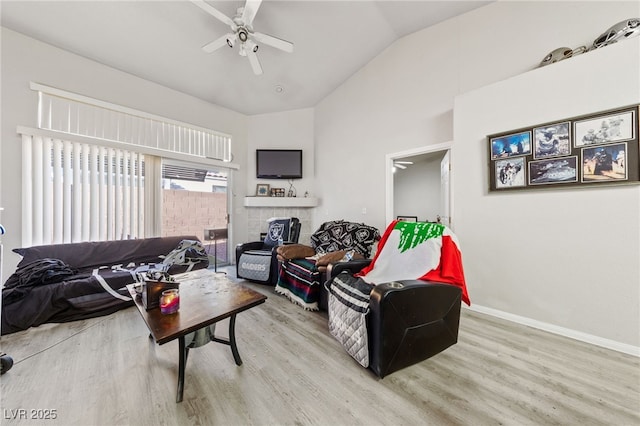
<point x="190" y="212"/>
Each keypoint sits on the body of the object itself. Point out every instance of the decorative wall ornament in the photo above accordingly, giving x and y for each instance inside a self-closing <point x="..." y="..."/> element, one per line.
<point x="623" y="30"/>
<point x="557" y="55"/>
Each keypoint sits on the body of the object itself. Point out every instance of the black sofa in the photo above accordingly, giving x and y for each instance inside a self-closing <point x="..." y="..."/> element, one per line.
<point x="85" y="279"/>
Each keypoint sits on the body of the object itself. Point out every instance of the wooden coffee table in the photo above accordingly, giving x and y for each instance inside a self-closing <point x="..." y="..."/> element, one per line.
<point x="205" y="298"/>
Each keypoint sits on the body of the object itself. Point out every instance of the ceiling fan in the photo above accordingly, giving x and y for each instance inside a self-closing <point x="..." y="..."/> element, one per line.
<point x="401" y="164"/>
<point x="242" y="31"/>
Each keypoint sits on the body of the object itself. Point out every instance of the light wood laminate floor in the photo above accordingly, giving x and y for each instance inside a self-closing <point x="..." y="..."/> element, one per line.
<point x="106" y="371"/>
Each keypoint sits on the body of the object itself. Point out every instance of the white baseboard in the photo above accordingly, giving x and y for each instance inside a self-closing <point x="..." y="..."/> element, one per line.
<point x="566" y="332"/>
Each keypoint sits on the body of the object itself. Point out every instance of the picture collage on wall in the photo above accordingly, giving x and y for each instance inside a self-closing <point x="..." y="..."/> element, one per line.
<point x="589" y="150"/>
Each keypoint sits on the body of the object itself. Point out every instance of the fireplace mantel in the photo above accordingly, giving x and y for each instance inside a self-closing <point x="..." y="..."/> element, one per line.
<point x="280" y="201"/>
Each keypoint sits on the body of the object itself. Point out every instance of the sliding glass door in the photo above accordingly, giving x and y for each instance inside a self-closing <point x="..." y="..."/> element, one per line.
<point x="195" y="202"/>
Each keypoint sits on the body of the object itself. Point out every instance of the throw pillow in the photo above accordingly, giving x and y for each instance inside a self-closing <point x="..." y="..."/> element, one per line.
<point x="278" y="228"/>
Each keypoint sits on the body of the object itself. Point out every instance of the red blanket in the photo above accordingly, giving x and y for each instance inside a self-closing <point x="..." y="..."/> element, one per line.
<point x="417" y="250"/>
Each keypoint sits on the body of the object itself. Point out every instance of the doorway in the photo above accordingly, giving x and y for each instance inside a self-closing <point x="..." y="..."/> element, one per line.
<point x="418" y="184"/>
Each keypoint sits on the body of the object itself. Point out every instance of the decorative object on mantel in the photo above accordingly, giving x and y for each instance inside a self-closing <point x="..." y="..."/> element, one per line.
<point x="262" y="190"/>
<point x="596" y="149"/>
<point x="292" y="189"/>
<point x="623" y="30"/>
<point x="277" y="192"/>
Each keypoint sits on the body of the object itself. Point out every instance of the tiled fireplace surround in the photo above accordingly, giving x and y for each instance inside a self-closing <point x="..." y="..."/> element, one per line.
<point x="258" y="216"/>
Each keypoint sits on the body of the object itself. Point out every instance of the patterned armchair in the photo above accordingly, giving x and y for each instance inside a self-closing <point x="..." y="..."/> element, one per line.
<point x="303" y="268"/>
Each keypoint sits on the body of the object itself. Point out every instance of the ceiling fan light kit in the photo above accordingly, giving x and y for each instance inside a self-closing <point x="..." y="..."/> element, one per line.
<point x="243" y="35"/>
<point x="242" y="30"/>
<point x="402" y="164"/>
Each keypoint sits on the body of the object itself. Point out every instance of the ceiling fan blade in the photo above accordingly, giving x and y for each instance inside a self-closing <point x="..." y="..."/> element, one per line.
<point x="274" y="42"/>
<point x="403" y="162"/>
<point x="219" y="42"/>
<point x="250" y="10"/>
<point x="253" y="60"/>
<point x="400" y="166"/>
<point x="214" y="12"/>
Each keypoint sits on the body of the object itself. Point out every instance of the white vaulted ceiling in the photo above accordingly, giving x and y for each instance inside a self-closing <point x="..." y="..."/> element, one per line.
<point x="161" y="41"/>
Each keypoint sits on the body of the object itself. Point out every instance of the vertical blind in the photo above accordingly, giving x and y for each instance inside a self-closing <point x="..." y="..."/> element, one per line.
<point x="73" y="191"/>
<point x="78" y="115"/>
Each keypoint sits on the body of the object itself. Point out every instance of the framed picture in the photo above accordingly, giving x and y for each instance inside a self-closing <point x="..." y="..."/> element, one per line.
<point x="597" y="149"/>
<point x="277" y="192"/>
<point x="558" y="170"/>
<point x="511" y="145"/>
<point x="510" y="173"/>
<point x="603" y="129"/>
<point x="407" y="218"/>
<point x="553" y="140"/>
<point x="604" y="163"/>
<point x="262" y="190"/>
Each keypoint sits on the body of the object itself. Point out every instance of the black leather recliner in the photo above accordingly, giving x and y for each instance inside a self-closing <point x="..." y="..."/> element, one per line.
<point x="256" y="260"/>
<point x="408" y="321"/>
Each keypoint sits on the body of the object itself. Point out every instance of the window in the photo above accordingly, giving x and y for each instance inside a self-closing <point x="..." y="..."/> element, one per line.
<point x="92" y="171"/>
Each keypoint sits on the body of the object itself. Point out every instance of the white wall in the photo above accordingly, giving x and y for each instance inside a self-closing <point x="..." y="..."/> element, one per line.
<point x="282" y="130"/>
<point x="24" y="60"/>
<point x="416" y="190"/>
<point x="567" y="257"/>
<point x="404" y="99"/>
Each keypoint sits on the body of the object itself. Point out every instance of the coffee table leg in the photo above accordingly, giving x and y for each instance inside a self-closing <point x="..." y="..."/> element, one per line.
<point x="182" y="364"/>
<point x="232" y="340"/>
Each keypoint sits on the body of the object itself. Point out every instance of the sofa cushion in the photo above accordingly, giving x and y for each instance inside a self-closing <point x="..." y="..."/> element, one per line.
<point x="278" y="228"/>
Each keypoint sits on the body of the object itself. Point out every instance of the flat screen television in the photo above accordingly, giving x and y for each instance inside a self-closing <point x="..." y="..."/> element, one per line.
<point x="279" y="163"/>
